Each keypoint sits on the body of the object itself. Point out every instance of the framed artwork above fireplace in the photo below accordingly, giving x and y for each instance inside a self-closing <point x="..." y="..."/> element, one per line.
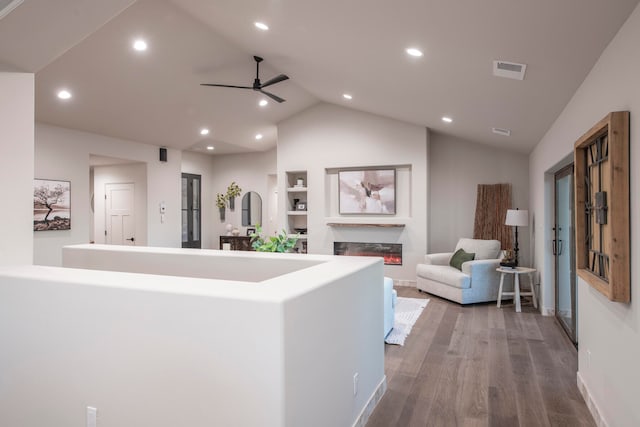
<point x="367" y="191"/>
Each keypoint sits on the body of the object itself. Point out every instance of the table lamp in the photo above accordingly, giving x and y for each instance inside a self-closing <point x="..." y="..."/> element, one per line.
<point x="517" y="218"/>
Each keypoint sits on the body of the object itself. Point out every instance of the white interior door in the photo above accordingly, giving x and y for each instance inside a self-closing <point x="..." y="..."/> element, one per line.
<point x="120" y="224"/>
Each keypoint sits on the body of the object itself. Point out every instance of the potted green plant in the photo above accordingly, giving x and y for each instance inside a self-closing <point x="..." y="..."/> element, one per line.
<point x="221" y="203"/>
<point x="281" y="242"/>
<point x="233" y="191"/>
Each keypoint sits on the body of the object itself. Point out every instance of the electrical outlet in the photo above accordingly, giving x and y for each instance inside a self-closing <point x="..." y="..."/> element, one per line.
<point x="92" y="416"/>
<point x="355" y="383"/>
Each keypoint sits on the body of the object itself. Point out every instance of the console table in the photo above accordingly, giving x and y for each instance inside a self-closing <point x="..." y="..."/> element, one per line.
<point x="238" y="243"/>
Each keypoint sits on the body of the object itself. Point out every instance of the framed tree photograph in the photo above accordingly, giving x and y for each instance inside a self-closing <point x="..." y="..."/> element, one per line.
<point x="51" y="205"/>
<point x="367" y="192"/>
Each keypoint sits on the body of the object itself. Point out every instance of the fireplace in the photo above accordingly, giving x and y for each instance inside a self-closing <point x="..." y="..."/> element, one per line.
<point x="391" y="252"/>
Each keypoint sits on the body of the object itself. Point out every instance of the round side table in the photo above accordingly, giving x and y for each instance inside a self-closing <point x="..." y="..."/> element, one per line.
<point x="516" y="285"/>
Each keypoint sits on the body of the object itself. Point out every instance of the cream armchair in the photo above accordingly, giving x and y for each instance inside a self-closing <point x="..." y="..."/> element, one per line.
<point x="477" y="282"/>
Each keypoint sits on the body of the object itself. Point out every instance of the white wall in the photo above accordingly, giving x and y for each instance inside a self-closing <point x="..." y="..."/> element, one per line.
<point x="609" y="331"/>
<point x="331" y="137"/>
<point x="250" y="171"/>
<point x="16" y="167"/>
<point x="64" y="154"/>
<point x="456" y="167"/>
<point x="202" y="164"/>
<point x="134" y="173"/>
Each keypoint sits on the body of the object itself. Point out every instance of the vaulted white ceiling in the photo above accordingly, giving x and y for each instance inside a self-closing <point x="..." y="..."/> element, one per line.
<point x="327" y="48"/>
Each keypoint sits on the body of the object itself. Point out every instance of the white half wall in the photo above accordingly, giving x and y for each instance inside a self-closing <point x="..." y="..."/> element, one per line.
<point x="250" y="171"/>
<point x="277" y="344"/>
<point x="64" y="154"/>
<point x="456" y="167"/>
<point x="608" y="332"/>
<point x="16" y="167"/>
<point x="327" y="137"/>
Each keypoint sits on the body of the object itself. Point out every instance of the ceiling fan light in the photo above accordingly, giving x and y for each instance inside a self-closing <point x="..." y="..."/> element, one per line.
<point x="261" y="26"/>
<point x="263" y="102"/>
<point x="259" y="136"/>
<point x="414" y="52"/>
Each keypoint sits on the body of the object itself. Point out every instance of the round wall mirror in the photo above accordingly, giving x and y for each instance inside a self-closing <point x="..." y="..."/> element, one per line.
<point x="251" y="209"/>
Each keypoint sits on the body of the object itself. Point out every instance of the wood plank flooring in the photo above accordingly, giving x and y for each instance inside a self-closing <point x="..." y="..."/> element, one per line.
<point x="479" y="365"/>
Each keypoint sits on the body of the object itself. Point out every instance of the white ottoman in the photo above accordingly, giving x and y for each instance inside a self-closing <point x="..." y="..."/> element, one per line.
<point x="390" y="299"/>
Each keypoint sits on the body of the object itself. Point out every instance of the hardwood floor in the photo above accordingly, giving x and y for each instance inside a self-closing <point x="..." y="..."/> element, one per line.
<point x="478" y="365"/>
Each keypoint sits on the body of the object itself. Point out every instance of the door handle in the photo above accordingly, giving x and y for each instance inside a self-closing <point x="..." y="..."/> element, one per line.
<point x="133" y="239"/>
<point x="554" y="247"/>
<point x="560" y="246"/>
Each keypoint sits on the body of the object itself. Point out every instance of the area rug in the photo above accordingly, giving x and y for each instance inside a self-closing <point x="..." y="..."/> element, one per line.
<point x="407" y="312"/>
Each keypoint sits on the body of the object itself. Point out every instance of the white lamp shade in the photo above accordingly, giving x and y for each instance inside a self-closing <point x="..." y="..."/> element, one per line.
<point x="519" y="218"/>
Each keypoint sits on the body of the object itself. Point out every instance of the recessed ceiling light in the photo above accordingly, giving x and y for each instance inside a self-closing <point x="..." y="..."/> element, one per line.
<point x="210" y="147"/>
<point x="447" y="119"/>
<point x="261" y="26"/>
<point x="259" y="136"/>
<point x="414" y="52"/>
<point x="347" y="96"/>
<point x="204" y="131"/>
<point x="64" y="94"/>
<point x="263" y="102"/>
<point x="140" y="45"/>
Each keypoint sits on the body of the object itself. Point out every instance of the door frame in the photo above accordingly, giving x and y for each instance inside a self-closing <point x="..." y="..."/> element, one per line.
<point x="108" y="233"/>
<point x="191" y="243"/>
<point x="571" y="246"/>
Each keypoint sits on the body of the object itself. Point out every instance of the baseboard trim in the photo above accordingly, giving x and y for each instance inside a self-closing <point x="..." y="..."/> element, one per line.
<point x="375" y="398"/>
<point x="548" y="311"/>
<point x="411" y="283"/>
<point x="591" y="404"/>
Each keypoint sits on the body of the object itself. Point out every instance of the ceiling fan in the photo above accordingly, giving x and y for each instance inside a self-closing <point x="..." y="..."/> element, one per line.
<point x="257" y="85"/>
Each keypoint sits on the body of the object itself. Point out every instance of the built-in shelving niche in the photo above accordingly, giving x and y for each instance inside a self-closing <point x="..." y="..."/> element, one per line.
<point x="402" y="194"/>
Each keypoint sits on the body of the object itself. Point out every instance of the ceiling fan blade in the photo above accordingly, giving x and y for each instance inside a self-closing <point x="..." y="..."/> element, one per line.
<point x="272" y="96"/>
<point x="276" y="79"/>
<point x="216" y="85"/>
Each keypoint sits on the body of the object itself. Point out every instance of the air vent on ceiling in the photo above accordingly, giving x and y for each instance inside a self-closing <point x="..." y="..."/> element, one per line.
<point x="6" y="6"/>
<point x="510" y="70"/>
<point x="500" y="131"/>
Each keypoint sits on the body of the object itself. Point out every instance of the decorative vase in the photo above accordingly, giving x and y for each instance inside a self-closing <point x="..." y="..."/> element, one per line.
<point x="232" y="203"/>
<point x="222" y="214"/>
<point x="235" y="232"/>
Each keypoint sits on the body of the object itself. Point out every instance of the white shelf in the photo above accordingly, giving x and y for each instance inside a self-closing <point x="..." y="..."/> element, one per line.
<point x="295" y="189"/>
<point x="300" y="237"/>
<point x="366" y="221"/>
<point x="297" y="213"/>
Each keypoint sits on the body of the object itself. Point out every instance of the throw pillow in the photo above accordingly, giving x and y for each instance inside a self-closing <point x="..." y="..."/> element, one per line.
<point x="459" y="257"/>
